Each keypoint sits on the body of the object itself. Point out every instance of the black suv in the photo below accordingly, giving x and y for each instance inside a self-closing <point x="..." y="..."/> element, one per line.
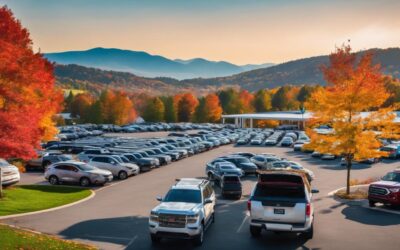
<point x="231" y="186"/>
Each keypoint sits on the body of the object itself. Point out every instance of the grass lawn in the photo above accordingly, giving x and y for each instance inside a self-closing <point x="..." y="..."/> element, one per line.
<point x="354" y="195"/>
<point x="29" y="198"/>
<point x="13" y="238"/>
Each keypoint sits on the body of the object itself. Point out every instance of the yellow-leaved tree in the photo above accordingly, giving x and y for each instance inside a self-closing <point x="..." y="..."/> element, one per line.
<point x="355" y="86"/>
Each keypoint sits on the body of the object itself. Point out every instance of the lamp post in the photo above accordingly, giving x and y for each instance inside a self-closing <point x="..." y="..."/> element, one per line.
<point x="1" y="183"/>
<point x="302" y="111"/>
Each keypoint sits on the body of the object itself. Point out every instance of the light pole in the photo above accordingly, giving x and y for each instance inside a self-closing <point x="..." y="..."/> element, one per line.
<point x="1" y="183"/>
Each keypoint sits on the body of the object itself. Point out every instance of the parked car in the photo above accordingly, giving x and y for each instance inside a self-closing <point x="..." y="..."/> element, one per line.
<point x="393" y="150"/>
<point x="9" y="173"/>
<point x="218" y="170"/>
<point x="282" y="201"/>
<point x="46" y="159"/>
<point x="76" y="172"/>
<point x="386" y="191"/>
<point x="116" y="167"/>
<point x="231" y="186"/>
<point x="262" y="160"/>
<point x="185" y="212"/>
<point x="243" y="163"/>
<point x="328" y="157"/>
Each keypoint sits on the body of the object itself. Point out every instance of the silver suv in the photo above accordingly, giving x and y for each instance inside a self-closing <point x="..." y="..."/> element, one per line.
<point x="115" y="166"/>
<point x="282" y="201"/>
<point x="185" y="212"/>
<point x="76" y="172"/>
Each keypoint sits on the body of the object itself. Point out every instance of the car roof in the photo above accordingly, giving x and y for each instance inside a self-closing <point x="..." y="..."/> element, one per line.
<point x="190" y="183"/>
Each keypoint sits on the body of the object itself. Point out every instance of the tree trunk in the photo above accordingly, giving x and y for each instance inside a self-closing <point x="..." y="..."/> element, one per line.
<point x="348" y="165"/>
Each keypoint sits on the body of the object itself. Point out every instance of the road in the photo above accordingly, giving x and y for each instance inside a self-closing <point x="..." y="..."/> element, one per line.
<point x="116" y="218"/>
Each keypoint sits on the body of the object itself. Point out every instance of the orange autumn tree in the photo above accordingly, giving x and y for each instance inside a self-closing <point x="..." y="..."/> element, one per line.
<point x="213" y="109"/>
<point x="28" y="97"/>
<point x="186" y="107"/>
<point x="354" y="85"/>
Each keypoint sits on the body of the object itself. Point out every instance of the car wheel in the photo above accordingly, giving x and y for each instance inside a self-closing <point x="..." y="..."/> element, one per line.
<point x="310" y="233"/>
<point x="155" y="239"/>
<point x="198" y="240"/>
<point x="371" y="203"/>
<point x="122" y="175"/>
<point x="255" y="231"/>
<point x="84" y="182"/>
<point x="53" y="180"/>
<point x="210" y="176"/>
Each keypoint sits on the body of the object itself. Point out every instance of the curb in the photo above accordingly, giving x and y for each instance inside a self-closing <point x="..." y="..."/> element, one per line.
<point x="360" y="202"/>
<point x="50" y="209"/>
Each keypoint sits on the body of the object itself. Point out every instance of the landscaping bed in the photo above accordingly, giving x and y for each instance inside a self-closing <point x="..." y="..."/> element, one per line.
<point x="15" y="238"/>
<point x="30" y="198"/>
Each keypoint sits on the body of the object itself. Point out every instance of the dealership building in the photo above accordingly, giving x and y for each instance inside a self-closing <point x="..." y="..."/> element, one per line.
<point x="297" y="118"/>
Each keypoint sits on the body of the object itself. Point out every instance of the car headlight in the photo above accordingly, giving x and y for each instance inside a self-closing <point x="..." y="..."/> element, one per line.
<point x="154" y="216"/>
<point x="192" y="218"/>
<point x="394" y="190"/>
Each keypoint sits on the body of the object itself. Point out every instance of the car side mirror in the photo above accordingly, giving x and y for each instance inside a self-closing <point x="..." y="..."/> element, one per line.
<point x="208" y="201"/>
<point x="314" y="191"/>
<point x="159" y="198"/>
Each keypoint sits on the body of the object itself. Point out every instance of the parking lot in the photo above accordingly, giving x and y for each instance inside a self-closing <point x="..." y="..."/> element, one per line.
<point x="117" y="217"/>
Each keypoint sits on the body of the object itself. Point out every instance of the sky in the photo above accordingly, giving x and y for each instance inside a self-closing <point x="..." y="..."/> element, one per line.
<point x="238" y="31"/>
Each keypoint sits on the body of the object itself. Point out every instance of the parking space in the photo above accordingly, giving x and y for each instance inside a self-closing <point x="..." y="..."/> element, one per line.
<point x="118" y="215"/>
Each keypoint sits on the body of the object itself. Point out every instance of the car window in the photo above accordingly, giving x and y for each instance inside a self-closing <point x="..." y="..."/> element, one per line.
<point x="231" y="179"/>
<point x="183" y="195"/>
<point x="61" y="167"/>
<point x="279" y="191"/>
<point x="100" y="159"/>
<point x="392" y="176"/>
<point x="71" y="168"/>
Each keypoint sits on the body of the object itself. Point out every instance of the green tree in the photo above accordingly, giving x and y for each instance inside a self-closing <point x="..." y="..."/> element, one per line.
<point x="304" y="93"/>
<point x="280" y="100"/>
<point x="230" y="101"/>
<point x="95" y="113"/>
<point x="200" y="113"/>
<point x="262" y="101"/>
<point x="154" y="110"/>
<point x="170" y="112"/>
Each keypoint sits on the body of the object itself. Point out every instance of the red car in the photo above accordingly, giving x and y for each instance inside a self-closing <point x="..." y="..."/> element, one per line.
<point x="386" y="191"/>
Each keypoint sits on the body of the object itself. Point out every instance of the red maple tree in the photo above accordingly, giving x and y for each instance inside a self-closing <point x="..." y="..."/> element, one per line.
<point x="28" y="97"/>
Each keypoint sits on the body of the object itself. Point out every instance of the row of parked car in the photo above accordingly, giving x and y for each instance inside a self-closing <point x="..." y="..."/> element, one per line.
<point x="97" y="160"/>
<point x="85" y="130"/>
<point x="270" y="137"/>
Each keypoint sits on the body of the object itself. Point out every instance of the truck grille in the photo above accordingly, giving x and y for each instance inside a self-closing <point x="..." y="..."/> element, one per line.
<point x="378" y="191"/>
<point x="8" y="173"/>
<point x="172" y="220"/>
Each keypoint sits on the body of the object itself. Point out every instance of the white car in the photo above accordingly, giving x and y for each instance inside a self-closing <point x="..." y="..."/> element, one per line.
<point x="185" y="212"/>
<point x="115" y="166"/>
<point x="281" y="201"/>
<point x="9" y="173"/>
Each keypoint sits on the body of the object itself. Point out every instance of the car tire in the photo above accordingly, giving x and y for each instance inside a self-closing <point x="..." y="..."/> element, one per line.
<point x="371" y="203"/>
<point x="155" y="239"/>
<point x="84" y="182"/>
<point x="210" y="177"/>
<point x="310" y="233"/>
<point x="255" y="231"/>
<point x="53" y="180"/>
<point x="122" y="175"/>
<point x="198" y="239"/>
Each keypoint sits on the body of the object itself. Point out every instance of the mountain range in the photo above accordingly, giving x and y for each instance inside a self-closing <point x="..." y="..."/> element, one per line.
<point x="296" y="72"/>
<point x="147" y="65"/>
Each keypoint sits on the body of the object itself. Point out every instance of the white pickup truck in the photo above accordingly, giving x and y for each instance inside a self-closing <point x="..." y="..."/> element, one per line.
<point x="185" y="212"/>
<point x="281" y="201"/>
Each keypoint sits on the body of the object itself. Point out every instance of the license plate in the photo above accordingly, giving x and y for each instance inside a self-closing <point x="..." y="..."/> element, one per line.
<point x="279" y="211"/>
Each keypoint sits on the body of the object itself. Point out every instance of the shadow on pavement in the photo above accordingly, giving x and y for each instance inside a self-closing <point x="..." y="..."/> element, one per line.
<point x="370" y="217"/>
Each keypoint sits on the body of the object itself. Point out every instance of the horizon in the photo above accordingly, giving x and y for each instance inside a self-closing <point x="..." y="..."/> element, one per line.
<point x="230" y="31"/>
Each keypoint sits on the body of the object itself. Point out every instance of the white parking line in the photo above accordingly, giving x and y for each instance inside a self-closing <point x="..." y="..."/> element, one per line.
<point x="243" y="222"/>
<point x="131" y="242"/>
<point x="109" y="237"/>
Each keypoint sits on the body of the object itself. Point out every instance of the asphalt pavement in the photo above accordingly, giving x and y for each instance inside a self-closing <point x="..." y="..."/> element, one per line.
<point x="117" y="217"/>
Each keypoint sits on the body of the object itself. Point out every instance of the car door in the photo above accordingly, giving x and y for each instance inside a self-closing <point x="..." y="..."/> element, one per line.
<point x="62" y="172"/>
<point x="211" y="195"/>
<point x="207" y="207"/>
<point x="73" y="173"/>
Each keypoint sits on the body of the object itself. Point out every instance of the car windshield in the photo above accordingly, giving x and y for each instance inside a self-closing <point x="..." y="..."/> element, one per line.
<point x="243" y="160"/>
<point x="183" y="195"/>
<point x="85" y="167"/>
<point x="393" y="176"/>
<point x="231" y="179"/>
<point x="279" y="191"/>
<point x="64" y="158"/>
<point x="124" y="159"/>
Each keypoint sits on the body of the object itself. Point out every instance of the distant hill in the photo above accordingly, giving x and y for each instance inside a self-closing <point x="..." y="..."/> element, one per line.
<point x="297" y="72"/>
<point x="144" y="64"/>
<point x="95" y="80"/>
